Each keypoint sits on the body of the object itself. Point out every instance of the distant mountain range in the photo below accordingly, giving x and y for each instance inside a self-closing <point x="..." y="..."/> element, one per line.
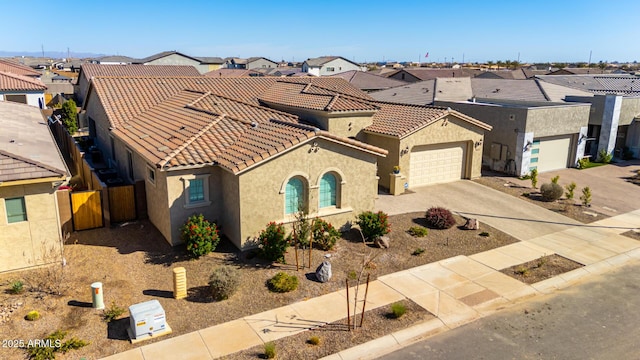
<point x="49" y="54"/>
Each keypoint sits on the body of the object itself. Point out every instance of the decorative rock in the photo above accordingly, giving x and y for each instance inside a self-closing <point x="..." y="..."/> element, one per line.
<point x="382" y="242"/>
<point x="472" y="224"/>
<point x="323" y="272"/>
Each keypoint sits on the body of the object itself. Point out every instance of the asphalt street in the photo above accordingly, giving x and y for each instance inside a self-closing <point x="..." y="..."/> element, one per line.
<point x="597" y="319"/>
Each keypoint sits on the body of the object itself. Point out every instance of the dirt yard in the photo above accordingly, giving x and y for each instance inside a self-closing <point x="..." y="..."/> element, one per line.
<point x="135" y="264"/>
<point x="523" y="190"/>
<point x="541" y="269"/>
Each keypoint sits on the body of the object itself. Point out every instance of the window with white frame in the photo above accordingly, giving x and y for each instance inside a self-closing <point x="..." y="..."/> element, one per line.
<point x="331" y="69"/>
<point x="15" y="209"/>
<point x="196" y="190"/>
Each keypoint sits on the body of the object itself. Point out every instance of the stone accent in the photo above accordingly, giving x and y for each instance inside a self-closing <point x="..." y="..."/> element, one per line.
<point x="382" y="242"/>
<point x="472" y="224"/>
<point x="323" y="272"/>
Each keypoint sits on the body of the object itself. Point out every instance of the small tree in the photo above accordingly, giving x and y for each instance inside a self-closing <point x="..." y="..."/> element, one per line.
<point x="273" y="243"/>
<point x="586" y="196"/>
<point x="70" y="116"/>
<point x="200" y="235"/>
<point x="570" y="189"/>
<point x="324" y="234"/>
<point x="373" y="225"/>
<point x="534" y="178"/>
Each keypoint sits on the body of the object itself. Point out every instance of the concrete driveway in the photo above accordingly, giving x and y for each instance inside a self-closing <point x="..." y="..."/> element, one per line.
<point x="516" y="217"/>
<point x="612" y="195"/>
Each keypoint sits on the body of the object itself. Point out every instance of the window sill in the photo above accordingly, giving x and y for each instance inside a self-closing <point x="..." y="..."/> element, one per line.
<point x="328" y="211"/>
<point x="197" y="205"/>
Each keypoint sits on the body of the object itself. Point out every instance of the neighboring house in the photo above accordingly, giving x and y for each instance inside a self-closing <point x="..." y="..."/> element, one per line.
<point x="416" y="93"/>
<point x="519" y="74"/>
<point x="31" y="168"/>
<point x="579" y="71"/>
<point x="21" y="89"/>
<point x="211" y="63"/>
<point x="90" y="71"/>
<point x="250" y="63"/>
<point x="173" y="58"/>
<point x="421" y="74"/>
<point x="247" y="151"/>
<point x="19" y="69"/>
<point x="368" y="82"/>
<point x="232" y="73"/>
<point x="113" y="60"/>
<point x="329" y="65"/>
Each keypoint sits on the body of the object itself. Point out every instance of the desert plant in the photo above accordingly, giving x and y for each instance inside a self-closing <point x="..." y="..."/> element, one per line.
<point x="586" y="196"/>
<point x="223" y="282"/>
<point x="69" y="116"/>
<point x="113" y="312"/>
<point x="32" y="315"/>
<point x="282" y="283"/>
<point x="418" y="251"/>
<point x="352" y="275"/>
<point x="373" y="225"/>
<point x="302" y="228"/>
<point x="270" y="350"/>
<point x="273" y="243"/>
<point x="440" y="218"/>
<point x="551" y="191"/>
<point x="418" y="231"/>
<point x="397" y="310"/>
<point x="604" y="156"/>
<point x="484" y="234"/>
<point x="48" y="280"/>
<point x="314" y="340"/>
<point x="570" y="189"/>
<point x="583" y="163"/>
<point x="522" y="271"/>
<point x="534" y="178"/>
<point x="200" y="235"/>
<point x="555" y="179"/>
<point x="47" y="347"/>
<point x="17" y="287"/>
<point x="324" y="234"/>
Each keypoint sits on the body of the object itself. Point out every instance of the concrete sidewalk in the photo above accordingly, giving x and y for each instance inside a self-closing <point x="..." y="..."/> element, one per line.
<point x="456" y="290"/>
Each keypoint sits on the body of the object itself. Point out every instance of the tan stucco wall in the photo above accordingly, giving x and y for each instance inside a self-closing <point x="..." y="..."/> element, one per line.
<point x="262" y="199"/>
<point x="630" y="109"/>
<point x="347" y="126"/>
<point x="37" y="240"/>
<point x="557" y="120"/>
<point x="455" y="131"/>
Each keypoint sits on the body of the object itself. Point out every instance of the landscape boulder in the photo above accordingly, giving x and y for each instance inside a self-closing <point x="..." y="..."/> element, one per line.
<point x="323" y="272"/>
<point x="472" y="224"/>
<point x="382" y="242"/>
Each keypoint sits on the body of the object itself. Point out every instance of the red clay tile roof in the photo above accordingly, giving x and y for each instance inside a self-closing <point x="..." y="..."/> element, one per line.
<point x="308" y="96"/>
<point x="232" y="73"/>
<point x="401" y="120"/>
<point x="14" y="167"/>
<point x="14" y="82"/>
<point x="13" y="67"/>
<point x="93" y="70"/>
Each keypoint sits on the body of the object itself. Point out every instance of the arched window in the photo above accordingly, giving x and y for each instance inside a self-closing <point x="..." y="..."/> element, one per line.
<point x="327" y="190"/>
<point x="294" y="196"/>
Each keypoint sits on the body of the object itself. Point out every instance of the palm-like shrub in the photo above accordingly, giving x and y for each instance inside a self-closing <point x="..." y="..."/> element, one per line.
<point x="440" y="218"/>
<point x="200" y="235"/>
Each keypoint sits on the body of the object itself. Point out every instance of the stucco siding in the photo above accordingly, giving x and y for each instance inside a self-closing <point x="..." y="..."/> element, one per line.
<point x="262" y="198"/>
<point x="386" y="164"/>
<point x="557" y="120"/>
<point x="37" y="240"/>
<point x="629" y="111"/>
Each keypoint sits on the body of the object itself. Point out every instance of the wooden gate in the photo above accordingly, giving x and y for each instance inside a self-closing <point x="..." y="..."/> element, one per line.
<point x="122" y="203"/>
<point x="86" y="207"/>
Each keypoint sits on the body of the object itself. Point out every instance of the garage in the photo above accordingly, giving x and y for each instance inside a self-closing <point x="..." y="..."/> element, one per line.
<point x="436" y="164"/>
<point x="550" y="153"/>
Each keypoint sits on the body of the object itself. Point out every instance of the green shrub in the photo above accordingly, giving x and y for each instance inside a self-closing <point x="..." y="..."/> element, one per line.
<point x="324" y="234"/>
<point x="583" y="163"/>
<point x="224" y="281"/>
<point x="397" y="310"/>
<point x="522" y="271"/>
<point x="555" y="179"/>
<point x="200" y="235"/>
<point x="440" y="218"/>
<point x="17" y="287"/>
<point x="418" y="251"/>
<point x="283" y="283"/>
<point x="53" y="343"/>
<point x="418" y="231"/>
<point x="586" y="196"/>
<point x="551" y="191"/>
<point x="534" y="178"/>
<point x="484" y="234"/>
<point x="314" y="340"/>
<point x="113" y="312"/>
<point x="373" y="225"/>
<point x="352" y="275"/>
<point x="273" y="243"/>
<point x="270" y="350"/>
<point x="32" y="316"/>
<point x="70" y="116"/>
<point x="604" y="156"/>
<point x="570" y="189"/>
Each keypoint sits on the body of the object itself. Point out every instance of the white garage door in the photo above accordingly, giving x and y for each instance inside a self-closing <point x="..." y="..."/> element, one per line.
<point x="436" y="164"/>
<point x="550" y="153"/>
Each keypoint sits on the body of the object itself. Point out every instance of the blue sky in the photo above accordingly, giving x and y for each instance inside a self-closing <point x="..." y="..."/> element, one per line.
<point x="538" y="31"/>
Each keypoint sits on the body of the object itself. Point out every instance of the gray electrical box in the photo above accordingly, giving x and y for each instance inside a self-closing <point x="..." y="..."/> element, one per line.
<point x="147" y="318"/>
